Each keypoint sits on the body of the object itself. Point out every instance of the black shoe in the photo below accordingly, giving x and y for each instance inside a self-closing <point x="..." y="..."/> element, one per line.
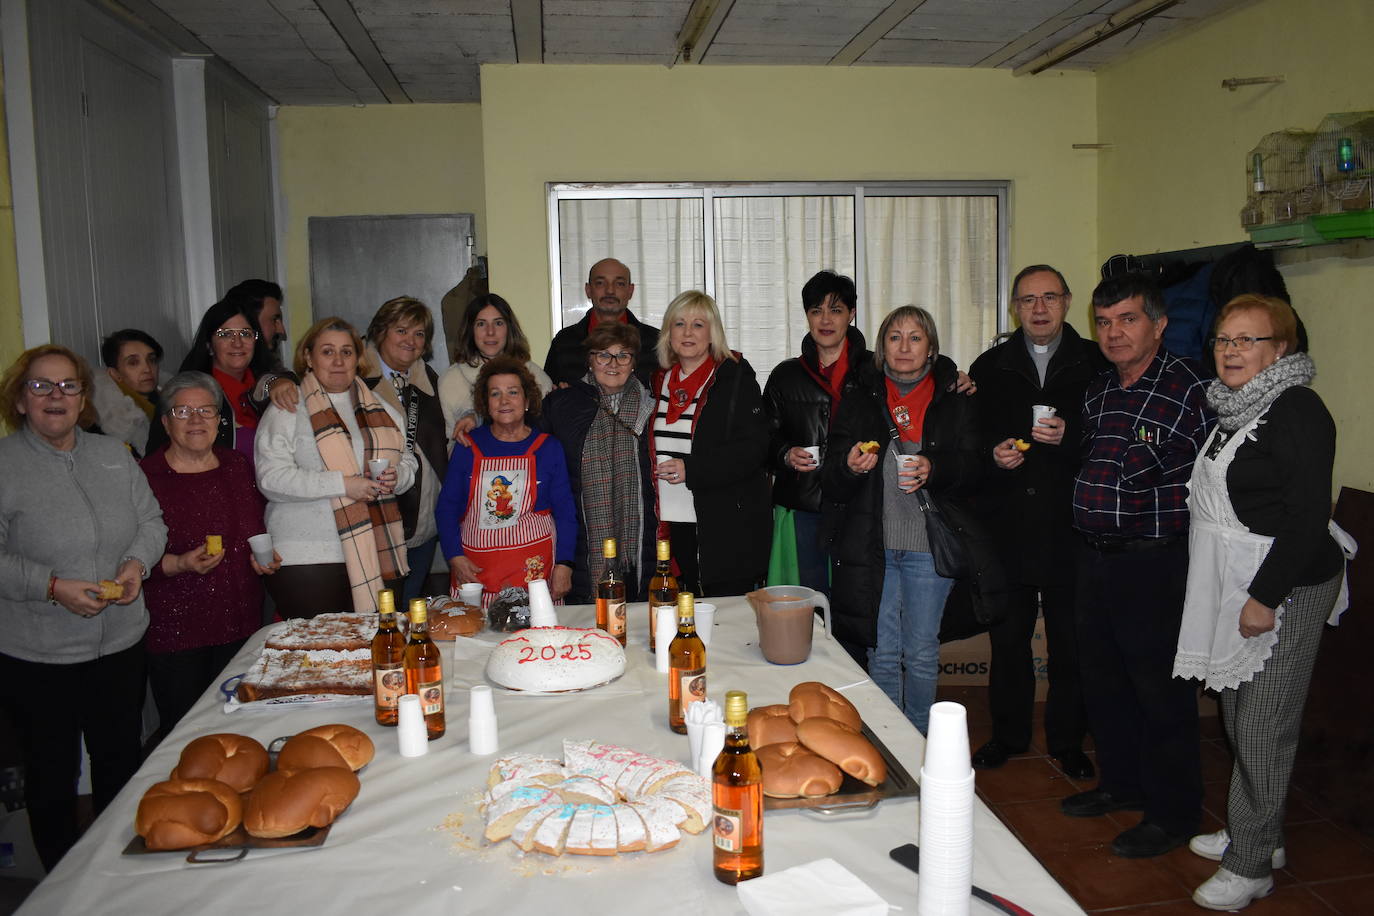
<point x="1145" y="840"/>
<point x="1095" y="802"/>
<point x="1075" y="764"/>
<point x="993" y="754"/>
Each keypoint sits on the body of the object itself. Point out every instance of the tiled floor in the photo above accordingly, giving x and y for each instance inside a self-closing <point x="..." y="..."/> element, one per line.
<point x="1330" y="868"/>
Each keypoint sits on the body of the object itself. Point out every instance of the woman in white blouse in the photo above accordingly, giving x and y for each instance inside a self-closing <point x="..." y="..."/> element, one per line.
<point x="489" y="328"/>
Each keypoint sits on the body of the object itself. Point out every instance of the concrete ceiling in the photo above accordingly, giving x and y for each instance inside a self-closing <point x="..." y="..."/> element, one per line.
<point x="344" y="52"/>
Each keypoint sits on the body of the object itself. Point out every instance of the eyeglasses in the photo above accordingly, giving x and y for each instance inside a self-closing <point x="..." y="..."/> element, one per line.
<point x="1242" y="344"/>
<point x="240" y="333"/>
<point x="184" y="411"/>
<point x="44" y="387"/>
<point x="605" y="358"/>
<point x="1051" y="300"/>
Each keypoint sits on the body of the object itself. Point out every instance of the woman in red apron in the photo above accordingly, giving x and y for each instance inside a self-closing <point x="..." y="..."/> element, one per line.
<point x="506" y="514"/>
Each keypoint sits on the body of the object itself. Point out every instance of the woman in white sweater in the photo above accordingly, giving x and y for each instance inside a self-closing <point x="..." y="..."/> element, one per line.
<point x="336" y="525"/>
<point x="489" y="328"/>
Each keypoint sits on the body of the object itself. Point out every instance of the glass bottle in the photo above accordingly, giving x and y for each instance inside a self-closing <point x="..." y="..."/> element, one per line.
<point x="388" y="660"/>
<point x="424" y="671"/>
<point x="662" y="588"/>
<point x="737" y="799"/>
<point x="686" y="665"/>
<point x="610" y="594"/>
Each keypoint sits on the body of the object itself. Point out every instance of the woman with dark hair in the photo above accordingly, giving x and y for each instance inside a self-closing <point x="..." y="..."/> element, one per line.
<point x="489" y="328"/>
<point x="600" y="421"/>
<point x="228" y="348"/>
<point x="79" y="532"/>
<point x="507" y="493"/>
<point x="916" y="434"/>
<point x="125" y="394"/>
<point x="202" y="603"/>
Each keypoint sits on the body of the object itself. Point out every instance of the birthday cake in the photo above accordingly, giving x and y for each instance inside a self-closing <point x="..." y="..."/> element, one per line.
<point x="555" y="659"/>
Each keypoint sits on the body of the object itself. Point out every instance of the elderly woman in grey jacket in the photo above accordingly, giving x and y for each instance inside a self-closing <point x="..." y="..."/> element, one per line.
<point x="79" y="531"/>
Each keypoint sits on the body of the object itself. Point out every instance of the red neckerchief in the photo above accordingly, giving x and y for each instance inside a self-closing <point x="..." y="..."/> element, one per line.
<point x="909" y="412"/>
<point x="832" y="376"/>
<point x="597" y="319"/>
<point x="681" y="390"/>
<point x="237" y="391"/>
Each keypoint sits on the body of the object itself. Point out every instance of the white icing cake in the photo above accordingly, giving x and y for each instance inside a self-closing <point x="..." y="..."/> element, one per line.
<point x="553" y="659"/>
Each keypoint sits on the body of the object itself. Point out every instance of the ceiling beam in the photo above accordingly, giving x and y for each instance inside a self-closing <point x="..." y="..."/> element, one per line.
<point x="1063" y="19"/>
<point x="150" y="16"/>
<point x="1116" y="23"/>
<point x="527" y="17"/>
<point x="699" y="29"/>
<point x="870" y="34"/>
<point x="345" y="21"/>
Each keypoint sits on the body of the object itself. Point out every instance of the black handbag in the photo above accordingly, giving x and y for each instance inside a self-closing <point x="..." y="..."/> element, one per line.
<point x="947" y="529"/>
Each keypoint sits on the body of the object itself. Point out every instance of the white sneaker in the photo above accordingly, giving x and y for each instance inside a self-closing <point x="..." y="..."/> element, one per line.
<point x="1213" y="845"/>
<point x="1226" y="891"/>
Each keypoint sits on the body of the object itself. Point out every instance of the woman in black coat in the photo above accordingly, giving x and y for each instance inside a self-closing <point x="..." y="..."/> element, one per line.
<point x="710" y="441"/>
<point x="601" y="420"/>
<point x="888" y="599"/>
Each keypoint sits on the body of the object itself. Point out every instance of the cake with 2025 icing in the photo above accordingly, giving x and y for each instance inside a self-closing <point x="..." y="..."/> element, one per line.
<point x="553" y="659"/>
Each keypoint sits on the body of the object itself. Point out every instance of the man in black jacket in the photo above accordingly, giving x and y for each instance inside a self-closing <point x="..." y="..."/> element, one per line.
<point x="610" y="290"/>
<point x="1027" y="502"/>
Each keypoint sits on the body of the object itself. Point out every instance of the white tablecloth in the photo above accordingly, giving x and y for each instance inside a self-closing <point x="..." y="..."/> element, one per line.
<point x="411" y="842"/>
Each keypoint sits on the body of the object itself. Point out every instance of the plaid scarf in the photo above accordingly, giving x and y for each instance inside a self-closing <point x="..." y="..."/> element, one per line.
<point x="370" y="532"/>
<point x="611" y="503"/>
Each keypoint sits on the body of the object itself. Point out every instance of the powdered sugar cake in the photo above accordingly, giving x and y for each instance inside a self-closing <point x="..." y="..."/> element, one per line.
<point x="329" y="654"/>
<point x="323" y="631"/>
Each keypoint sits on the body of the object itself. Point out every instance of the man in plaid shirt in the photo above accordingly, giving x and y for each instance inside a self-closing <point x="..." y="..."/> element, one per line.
<point x="1143" y="425"/>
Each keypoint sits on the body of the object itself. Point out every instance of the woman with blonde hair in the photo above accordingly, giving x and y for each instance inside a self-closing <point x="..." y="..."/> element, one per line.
<point x="709" y="438"/>
<point x="336" y="526"/>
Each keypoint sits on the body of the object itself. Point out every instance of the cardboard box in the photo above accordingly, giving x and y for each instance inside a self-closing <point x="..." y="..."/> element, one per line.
<point x="966" y="662"/>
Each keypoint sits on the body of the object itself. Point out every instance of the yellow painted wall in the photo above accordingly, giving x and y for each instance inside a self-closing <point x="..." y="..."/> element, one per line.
<point x="564" y="123"/>
<point x="11" y="324"/>
<point x="1176" y="177"/>
<point x="374" y="160"/>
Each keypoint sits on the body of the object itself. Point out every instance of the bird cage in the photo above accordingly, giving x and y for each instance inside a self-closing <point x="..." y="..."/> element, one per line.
<point x="1340" y="161"/>
<point x="1275" y="173"/>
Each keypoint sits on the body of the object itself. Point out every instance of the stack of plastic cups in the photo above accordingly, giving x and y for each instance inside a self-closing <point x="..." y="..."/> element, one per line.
<point x="482" y="739"/>
<point x="542" y="613"/>
<point x="665" y="628"/>
<point x="410" y="727"/>
<point x="945" y="887"/>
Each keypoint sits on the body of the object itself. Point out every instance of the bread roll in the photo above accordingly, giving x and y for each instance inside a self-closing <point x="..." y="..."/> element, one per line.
<point x="285" y="803"/>
<point x="181" y="813"/>
<point x="770" y="725"/>
<point x="306" y="752"/>
<point x="449" y="621"/>
<point x="844" y="747"/>
<point x="355" y="746"/>
<point x="790" y="770"/>
<point x="812" y="698"/>
<point x="235" y="760"/>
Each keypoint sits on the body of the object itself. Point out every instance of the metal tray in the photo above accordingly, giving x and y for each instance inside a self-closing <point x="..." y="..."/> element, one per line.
<point x="238" y="841"/>
<point x="854" y="795"/>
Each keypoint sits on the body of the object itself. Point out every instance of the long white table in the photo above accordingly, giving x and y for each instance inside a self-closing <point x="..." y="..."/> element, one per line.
<point x="412" y="841"/>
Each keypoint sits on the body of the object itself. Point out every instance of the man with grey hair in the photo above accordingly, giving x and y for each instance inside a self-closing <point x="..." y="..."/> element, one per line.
<point x="609" y="288"/>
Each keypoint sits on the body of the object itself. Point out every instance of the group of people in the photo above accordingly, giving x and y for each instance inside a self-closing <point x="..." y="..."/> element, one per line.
<point x="360" y="461"/>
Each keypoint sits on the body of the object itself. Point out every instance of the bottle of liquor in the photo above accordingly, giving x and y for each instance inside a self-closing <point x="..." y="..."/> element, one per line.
<point x="388" y="654"/>
<point x="424" y="671"/>
<point x="686" y="665"/>
<point x="737" y="797"/>
<point x="610" y="594"/>
<point x="662" y="588"/>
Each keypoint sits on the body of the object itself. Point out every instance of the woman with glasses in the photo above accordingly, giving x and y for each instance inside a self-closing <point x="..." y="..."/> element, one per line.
<point x="204" y="595"/>
<point x="1263" y="575"/>
<point x="79" y="532"/>
<point x="489" y="328"/>
<point x="600" y="420"/>
<point x="228" y="349"/>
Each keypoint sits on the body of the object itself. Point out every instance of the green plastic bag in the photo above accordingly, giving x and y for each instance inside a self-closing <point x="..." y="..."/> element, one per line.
<point x="782" y="561"/>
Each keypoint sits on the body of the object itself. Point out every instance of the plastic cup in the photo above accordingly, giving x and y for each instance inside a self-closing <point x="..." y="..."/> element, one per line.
<point x="542" y="613"/>
<point x="261" y="545"/>
<point x="376" y="467"/>
<point x="470" y="593"/>
<point x="706" y="621"/>
<point x="1041" y="412"/>
<point x="947" y="750"/>
<point x="482" y="733"/>
<point x="815" y="452"/>
<point x="410" y="727"/>
<point x="665" y="628"/>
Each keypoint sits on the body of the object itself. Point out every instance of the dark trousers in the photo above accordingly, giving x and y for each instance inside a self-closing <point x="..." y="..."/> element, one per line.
<point x="813" y="561"/>
<point x="1144" y="720"/>
<point x="179" y="678"/>
<point x="684" y="537"/>
<point x="420" y="559"/>
<point x="310" y="589"/>
<point x="1011" y="681"/>
<point x="51" y="707"/>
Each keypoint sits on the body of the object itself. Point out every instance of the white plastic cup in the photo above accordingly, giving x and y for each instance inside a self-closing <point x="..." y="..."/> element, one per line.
<point x="542" y="613"/>
<point x="1041" y="412"/>
<point x="376" y="467"/>
<point x="410" y="727"/>
<point x="665" y="628"/>
<point x="261" y="545"/>
<point x="947" y="750"/>
<point x="706" y="621"/>
<point x="906" y="461"/>
<point x="480" y="703"/>
<point x="482" y="732"/>
<point x="470" y="593"/>
<point x="814" y="451"/>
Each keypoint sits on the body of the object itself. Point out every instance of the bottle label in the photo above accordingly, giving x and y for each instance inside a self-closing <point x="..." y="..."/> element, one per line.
<point x="389" y="684"/>
<point x="728" y="829"/>
<point x="692" y="686"/>
<point x="431" y="697"/>
<point x="615" y="618"/>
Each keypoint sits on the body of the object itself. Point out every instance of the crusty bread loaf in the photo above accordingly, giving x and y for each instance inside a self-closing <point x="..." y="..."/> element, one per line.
<point x="355" y="746"/>
<point x="285" y="803"/>
<point x="790" y="770"/>
<point x="844" y="747"/>
<point x="306" y="752"/>
<point x="236" y="760"/>
<point x="181" y="813"/>
<point x="812" y="698"/>
<point x="770" y="725"/>
<point x="451" y="619"/>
